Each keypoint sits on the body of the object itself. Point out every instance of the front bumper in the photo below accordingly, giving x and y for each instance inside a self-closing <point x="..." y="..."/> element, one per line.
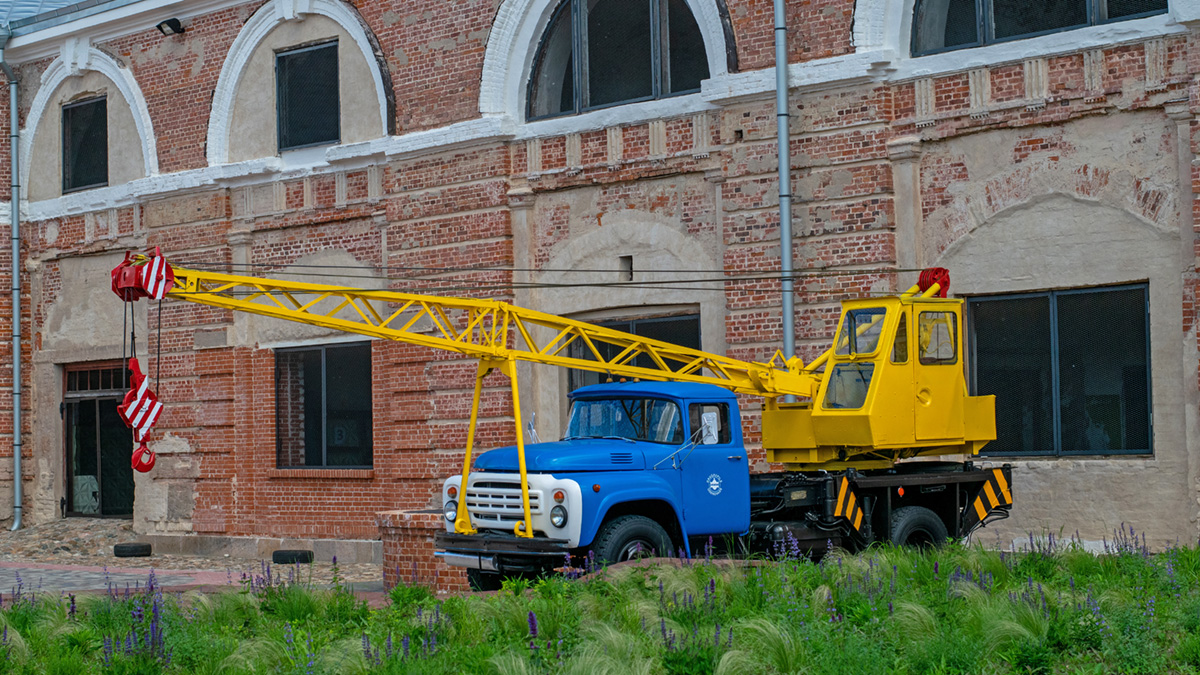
<point x="498" y="552"/>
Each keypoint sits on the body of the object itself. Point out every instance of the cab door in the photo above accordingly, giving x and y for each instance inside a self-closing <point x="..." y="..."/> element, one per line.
<point x="938" y="372"/>
<point x="714" y="474"/>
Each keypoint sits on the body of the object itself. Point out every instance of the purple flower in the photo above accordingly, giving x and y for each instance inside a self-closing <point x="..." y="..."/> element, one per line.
<point x="533" y="625"/>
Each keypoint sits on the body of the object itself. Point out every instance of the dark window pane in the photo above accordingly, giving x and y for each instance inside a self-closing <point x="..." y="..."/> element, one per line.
<point x="678" y="330"/>
<point x="348" y="405"/>
<point x="323" y="406"/>
<point x="298" y="408"/>
<point x="1120" y="9"/>
<point x="619" y="54"/>
<point x="688" y="61"/>
<point x="85" y="145"/>
<point x="1103" y="371"/>
<point x="116" y="473"/>
<point x="85" y="471"/>
<point x="553" y="88"/>
<point x="306" y="83"/>
<point x="1012" y="362"/>
<point x="900" y="345"/>
<point x="941" y="24"/>
<point x="1012" y="18"/>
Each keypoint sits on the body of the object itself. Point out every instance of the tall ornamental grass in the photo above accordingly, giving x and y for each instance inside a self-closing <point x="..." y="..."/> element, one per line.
<point x="1049" y="608"/>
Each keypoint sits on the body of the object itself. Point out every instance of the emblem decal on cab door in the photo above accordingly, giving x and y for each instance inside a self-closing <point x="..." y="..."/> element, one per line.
<point x="714" y="484"/>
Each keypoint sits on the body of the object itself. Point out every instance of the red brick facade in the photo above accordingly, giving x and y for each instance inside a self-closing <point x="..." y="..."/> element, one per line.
<point x="484" y="217"/>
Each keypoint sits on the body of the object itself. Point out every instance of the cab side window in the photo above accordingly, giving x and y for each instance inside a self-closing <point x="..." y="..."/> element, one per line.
<point x="900" y="345"/>
<point x="937" y="334"/>
<point x="696" y="412"/>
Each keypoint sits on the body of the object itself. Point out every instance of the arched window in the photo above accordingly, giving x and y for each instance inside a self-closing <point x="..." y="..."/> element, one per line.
<point x="943" y="25"/>
<point x="599" y="53"/>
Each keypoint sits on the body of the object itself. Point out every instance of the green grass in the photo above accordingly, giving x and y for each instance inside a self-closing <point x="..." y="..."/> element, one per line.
<point x="1050" y="609"/>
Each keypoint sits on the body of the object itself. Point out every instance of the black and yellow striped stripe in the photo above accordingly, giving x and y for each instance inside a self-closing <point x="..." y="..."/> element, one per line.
<point x="993" y="495"/>
<point x="848" y="505"/>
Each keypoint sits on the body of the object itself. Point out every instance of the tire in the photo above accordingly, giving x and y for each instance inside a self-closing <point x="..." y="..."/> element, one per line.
<point x="630" y="538"/>
<point x="480" y="580"/>
<point x="291" y="557"/>
<point x="917" y="526"/>
<point x="132" y="549"/>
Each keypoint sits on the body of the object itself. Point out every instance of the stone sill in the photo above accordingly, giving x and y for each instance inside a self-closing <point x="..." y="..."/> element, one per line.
<point x="343" y="474"/>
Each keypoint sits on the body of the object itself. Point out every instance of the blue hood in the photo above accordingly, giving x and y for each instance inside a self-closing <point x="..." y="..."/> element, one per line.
<point x="583" y="454"/>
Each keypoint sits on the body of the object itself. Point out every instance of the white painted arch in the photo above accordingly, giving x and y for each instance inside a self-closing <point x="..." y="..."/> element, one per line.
<point x="256" y="29"/>
<point x="517" y="33"/>
<point x="76" y="58"/>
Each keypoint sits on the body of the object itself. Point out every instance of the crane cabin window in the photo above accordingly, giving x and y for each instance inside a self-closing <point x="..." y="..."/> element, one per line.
<point x="1070" y="370"/>
<point x="945" y="25"/>
<point x="937" y="335"/>
<point x="323" y="407"/>
<point x="306" y="96"/>
<point x="599" y="53"/>
<point x="85" y="145"/>
<point x="861" y="331"/>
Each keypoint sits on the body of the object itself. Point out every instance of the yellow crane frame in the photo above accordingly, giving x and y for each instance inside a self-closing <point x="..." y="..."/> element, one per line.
<point x="500" y="334"/>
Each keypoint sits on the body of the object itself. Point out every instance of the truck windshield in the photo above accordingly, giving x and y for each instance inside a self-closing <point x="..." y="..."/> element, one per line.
<point x="634" y="419"/>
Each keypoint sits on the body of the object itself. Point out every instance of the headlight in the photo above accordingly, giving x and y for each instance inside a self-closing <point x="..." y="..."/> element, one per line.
<point x="451" y="510"/>
<point x="558" y="516"/>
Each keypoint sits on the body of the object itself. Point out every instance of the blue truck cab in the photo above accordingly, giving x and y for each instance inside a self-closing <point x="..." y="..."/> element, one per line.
<point x="644" y="467"/>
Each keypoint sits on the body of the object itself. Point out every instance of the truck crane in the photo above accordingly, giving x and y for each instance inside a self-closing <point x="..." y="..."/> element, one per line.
<point x="656" y="461"/>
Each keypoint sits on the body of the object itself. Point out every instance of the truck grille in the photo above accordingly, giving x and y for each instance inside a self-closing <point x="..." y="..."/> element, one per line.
<point x="498" y="503"/>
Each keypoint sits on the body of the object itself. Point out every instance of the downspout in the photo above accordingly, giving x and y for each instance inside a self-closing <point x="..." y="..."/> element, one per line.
<point x="785" y="183"/>
<point x="14" y="139"/>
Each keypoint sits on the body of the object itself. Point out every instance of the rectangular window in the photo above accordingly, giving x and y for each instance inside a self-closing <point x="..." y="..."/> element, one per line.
<point x="720" y="431"/>
<point x="85" y="145"/>
<point x="98" y="444"/>
<point x="306" y="96"/>
<point x="678" y="330"/>
<point x="323" y="407"/>
<point x="1070" y="370"/>
<point x="936" y="335"/>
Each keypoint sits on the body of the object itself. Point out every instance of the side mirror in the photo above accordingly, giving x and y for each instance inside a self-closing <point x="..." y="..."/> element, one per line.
<point x="709" y="426"/>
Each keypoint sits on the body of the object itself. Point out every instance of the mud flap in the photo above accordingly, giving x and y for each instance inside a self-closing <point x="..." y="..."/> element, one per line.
<point x="993" y="496"/>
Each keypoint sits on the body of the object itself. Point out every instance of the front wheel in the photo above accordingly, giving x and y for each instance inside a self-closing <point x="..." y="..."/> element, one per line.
<point x="630" y="538"/>
<point x="917" y="526"/>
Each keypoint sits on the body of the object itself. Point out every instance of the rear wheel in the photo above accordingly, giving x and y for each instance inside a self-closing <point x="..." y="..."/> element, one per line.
<point x="480" y="580"/>
<point x="630" y="538"/>
<point x="917" y="526"/>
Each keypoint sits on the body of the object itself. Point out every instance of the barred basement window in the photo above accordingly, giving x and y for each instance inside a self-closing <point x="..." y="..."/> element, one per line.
<point x="85" y="145"/>
<point x="678" y="330"/>
<point x="944" y="25"/>
<point x="599" y="53"/>
<point x="1070" y="370"/>
<point x="306" y="96"/>
<point x="323" y="407"/>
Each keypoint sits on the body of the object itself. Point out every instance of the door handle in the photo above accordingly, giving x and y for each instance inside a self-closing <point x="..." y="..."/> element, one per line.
<point x="734" y="458"/>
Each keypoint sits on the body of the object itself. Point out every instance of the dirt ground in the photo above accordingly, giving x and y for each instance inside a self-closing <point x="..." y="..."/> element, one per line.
<point x="89" y="541"/>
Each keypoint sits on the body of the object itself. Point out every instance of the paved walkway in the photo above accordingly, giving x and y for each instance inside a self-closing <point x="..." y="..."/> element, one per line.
<point x="57" y="579"/>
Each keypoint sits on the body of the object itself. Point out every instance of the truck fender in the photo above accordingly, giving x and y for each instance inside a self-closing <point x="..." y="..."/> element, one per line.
<point x="633" y="494"/>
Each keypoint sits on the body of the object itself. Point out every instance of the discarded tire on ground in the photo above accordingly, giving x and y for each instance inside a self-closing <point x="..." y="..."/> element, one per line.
<point x="131" y="549"/>
<point x="291" y="557"/>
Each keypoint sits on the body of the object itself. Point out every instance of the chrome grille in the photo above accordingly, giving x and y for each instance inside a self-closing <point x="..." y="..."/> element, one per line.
<point x="498" y="503"/>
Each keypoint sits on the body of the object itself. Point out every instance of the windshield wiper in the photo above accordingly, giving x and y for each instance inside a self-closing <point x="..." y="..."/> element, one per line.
<point x="607" y="438"/>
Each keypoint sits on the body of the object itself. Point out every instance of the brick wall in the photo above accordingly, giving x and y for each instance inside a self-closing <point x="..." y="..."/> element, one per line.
<point x="441" y="222"/>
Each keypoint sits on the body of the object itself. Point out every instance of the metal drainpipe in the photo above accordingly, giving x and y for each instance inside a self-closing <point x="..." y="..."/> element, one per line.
<point x="785" y="183"/>
<point x="15" y="229"/>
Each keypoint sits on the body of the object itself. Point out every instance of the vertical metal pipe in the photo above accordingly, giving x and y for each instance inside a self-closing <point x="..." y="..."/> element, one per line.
<point x="14" y="139"/>
<point x="785" y="181"/>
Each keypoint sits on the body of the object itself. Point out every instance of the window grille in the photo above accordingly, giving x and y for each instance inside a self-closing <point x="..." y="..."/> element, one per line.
<point x="635" y="50"/>
<point x="1070" y="370"/>
<point x="307" y="100"/>
<point x="944" y="25"/>
<point x="85" y="145"/>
